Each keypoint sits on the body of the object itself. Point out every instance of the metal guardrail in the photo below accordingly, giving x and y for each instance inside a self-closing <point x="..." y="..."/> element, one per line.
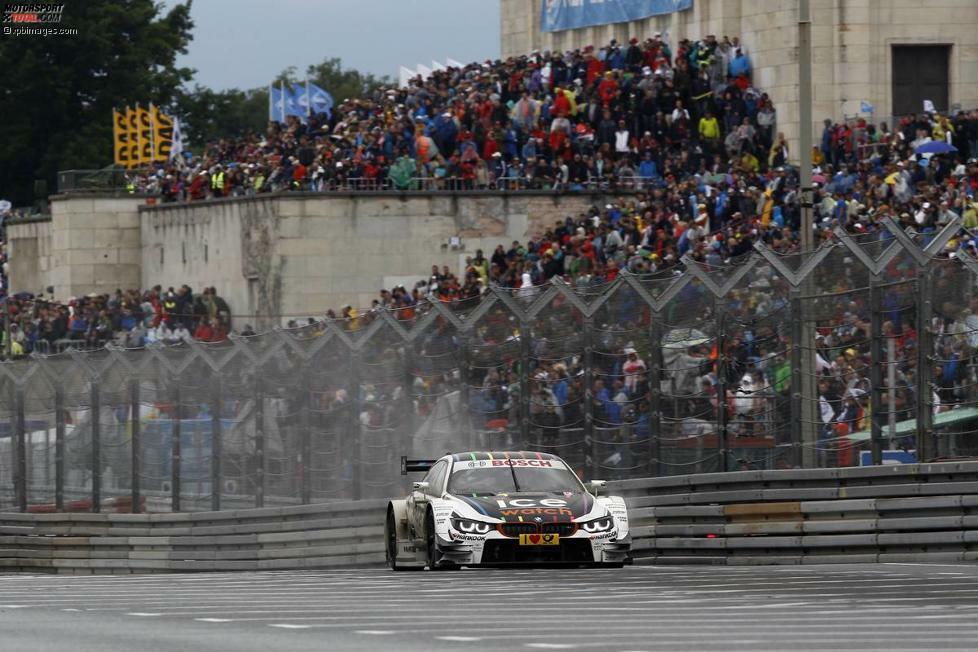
<point x="82" y="181"/>
<point x="901" y="513"/>
<point x="906" y="513"/>
<point x="318" y="536"/>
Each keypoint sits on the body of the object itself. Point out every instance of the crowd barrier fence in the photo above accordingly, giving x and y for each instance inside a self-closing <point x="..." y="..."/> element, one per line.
<point x="724" y="379"/>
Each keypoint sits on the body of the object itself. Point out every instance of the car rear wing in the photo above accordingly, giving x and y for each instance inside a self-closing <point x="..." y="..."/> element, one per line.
<point x="415" y="466"/>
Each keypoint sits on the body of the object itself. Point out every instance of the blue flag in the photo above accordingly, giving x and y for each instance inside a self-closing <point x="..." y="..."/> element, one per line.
<point x="866" y="107"/>
<point x="322" y="101"/>
<point x="292" y="106"/>
<point x="301" y="97"/>
<point x="275" y="104"/>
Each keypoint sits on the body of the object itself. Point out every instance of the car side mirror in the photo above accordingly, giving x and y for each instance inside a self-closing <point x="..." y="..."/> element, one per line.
<point x="596" y="486"/>
<point x="419" y="486"/>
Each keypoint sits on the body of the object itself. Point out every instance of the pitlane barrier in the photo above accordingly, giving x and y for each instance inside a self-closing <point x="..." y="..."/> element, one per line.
<point x="916" y="513"/>
<point x="348" y="533"/>
<point x="894" y="513"/>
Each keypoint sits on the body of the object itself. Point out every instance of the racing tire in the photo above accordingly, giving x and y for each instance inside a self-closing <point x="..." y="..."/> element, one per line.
<point x="390" y="545"/>
<point x="431" y="551"/>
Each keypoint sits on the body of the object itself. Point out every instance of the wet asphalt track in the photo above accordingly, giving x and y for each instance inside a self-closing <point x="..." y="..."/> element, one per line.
<point x="885" y="607"/>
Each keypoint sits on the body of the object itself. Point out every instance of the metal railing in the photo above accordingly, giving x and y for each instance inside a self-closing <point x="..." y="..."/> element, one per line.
<point x="325" y="411"/>
<point x="104" y="180"/>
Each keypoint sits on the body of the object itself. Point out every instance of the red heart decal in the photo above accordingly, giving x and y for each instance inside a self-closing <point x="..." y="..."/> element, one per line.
<point x="534" y="538"/>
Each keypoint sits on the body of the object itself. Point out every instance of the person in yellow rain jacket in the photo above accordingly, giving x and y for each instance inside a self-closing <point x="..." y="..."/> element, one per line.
<point x="709" y="130"/>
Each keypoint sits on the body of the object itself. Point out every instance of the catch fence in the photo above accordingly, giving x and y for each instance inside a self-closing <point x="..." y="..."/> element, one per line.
<point x="860" y="352"/>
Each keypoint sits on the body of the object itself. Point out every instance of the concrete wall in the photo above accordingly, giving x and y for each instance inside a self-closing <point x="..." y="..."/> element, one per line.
<point x="95" y="244"/>
<point x="302" y="254"/>
<point x="851" y="43"/>
<point x="29" y="249"/>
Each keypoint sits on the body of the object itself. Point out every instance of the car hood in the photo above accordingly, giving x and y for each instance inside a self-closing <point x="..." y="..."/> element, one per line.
<point x="549" y="506"/>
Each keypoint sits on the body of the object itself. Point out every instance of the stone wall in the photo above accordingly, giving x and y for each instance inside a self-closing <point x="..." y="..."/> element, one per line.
<point x="851" y="46"/>
<point x="95" y="244"/>
<point x="296" y="255"/>
<point x="29" y="251"/>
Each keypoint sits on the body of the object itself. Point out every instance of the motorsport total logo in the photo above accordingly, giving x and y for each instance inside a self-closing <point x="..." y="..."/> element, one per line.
<point x="34" y="19"/>
<point x="32" y="12"/>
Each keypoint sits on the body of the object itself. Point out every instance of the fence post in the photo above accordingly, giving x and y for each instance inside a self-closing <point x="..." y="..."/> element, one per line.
<point x="468" y="432"/>
<point x="590" y="440"/>
<point x="176" y="452"/>
<point x="926" y="442"/>
<point x="217" y="473"/>
<point x="722" y="430"/>
<point x="797" y="399"/>
<point x="655" y="394"/>
<point x="59" y="447"/>
<point x="876" y="368"/>
<point x="136" y="440"/>
<point x="259" y="442"/>
<point x="95" y="400"/>
<point x="355" y="444"/>
<point x="524" y="383"/>
<point x="305" y="440"/>
<point x="20" y="445"/>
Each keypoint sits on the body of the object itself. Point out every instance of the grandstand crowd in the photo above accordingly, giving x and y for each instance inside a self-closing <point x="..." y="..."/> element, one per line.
<point x="621" y="115"/>
<point x="685" y="131"/>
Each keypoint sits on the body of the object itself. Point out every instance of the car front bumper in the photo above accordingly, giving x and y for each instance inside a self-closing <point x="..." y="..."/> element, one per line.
<point x="491" y="551"/>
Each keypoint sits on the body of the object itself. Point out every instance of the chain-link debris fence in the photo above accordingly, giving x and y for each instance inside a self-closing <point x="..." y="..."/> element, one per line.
<point x="861" y="352"/>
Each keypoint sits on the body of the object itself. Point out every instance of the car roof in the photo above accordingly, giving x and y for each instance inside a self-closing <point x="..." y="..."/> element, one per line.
<point x="502" y="455"/>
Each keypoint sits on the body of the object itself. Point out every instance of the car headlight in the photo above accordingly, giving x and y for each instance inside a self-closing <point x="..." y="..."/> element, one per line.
<point x="471" y="527"/>
<point x="602" y="524"/>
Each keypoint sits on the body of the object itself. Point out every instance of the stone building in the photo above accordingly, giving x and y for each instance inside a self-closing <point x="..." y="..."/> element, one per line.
<point x="892" y="54"/>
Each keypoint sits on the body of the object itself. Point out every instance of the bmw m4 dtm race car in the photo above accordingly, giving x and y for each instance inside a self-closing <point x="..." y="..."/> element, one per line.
<point x="496" y="508"/>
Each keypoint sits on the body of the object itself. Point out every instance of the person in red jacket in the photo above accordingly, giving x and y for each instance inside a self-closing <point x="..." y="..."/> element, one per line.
<point x="608" y="88"/>
<point x="210" y="330"/>
<point x="595" y="67"/>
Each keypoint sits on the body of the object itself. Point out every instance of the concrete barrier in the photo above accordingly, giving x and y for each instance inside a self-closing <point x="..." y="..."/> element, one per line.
<point x="906" y="513"/>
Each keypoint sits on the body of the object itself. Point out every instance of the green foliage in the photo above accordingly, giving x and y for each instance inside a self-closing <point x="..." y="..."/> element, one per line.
<point x="58" y="92"/>
<point x="344" y="84"/>
<point x="207" y="114"/>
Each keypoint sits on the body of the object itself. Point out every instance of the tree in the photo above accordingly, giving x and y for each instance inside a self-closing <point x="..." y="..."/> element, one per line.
<point x="58" y="92"/>
<point x="207" y="114"/>
<point x="344" y="84"/>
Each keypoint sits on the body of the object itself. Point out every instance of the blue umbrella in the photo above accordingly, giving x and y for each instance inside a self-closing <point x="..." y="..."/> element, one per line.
<point x="935" y="147"/>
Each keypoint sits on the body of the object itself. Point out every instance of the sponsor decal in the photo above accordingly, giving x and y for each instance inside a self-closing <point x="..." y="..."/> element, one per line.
<point x="548" y="464"/>
<point x="539" y="539"/>
<point x="536" y="511"/>
<point x="459" y="536"/>
<point x="531" y="507"/>
<point x="530" y="502"/>
<point x="605" y="535"/>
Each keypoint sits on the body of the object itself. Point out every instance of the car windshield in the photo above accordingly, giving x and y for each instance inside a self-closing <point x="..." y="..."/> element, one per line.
<point x="505" y="479"/>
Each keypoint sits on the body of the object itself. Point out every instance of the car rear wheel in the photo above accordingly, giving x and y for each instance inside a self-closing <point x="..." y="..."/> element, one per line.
<point x="390" y="539"/>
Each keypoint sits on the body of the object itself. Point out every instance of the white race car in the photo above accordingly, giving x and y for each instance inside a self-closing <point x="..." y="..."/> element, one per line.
<point x="492" y="508"/>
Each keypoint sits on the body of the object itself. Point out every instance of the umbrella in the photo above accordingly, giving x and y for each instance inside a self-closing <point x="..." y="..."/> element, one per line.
<point x="935" y="147"/>
<point x="684" y="338"/>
